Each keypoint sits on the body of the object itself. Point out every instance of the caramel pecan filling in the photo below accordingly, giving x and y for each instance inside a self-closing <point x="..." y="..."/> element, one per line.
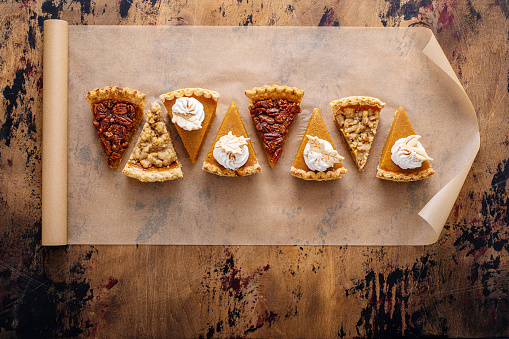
<point x="114" y="121"/>
<point x="272" y="120"/>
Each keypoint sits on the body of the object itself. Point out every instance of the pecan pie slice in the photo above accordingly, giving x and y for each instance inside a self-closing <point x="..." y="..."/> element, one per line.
<point x="357" y="119"/>
<point x="225" y="161"/>
<point x="325" y="155"/>
<point x="153" y="157"/>
<point x="273" y="109"/>
<point x="117" y="112"/>
<point x="191" y="110"/>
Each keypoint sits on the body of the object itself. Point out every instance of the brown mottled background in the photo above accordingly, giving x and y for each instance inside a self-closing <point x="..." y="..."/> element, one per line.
<point x="457" y="287"/>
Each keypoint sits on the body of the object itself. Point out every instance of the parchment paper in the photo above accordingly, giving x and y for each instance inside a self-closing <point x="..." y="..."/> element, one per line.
<point x="400" y="66"/>
<point x="54" y="124"/>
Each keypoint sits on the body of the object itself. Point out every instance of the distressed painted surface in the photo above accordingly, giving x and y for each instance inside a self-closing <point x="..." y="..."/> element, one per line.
<point x="456" y="287"/>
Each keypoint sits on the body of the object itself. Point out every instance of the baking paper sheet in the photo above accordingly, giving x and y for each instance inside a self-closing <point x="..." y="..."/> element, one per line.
<point x="400" y="66"/>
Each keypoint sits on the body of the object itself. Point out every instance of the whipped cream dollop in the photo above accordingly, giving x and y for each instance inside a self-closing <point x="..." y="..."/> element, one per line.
<point x="188" y="113"/>
<point x="319" y="154"/>
<point x="231" y="151"/>
<point x="408" y="152"/>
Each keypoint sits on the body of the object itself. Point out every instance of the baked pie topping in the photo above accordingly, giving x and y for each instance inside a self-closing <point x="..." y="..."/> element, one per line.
<point x="114" y="121"/>
<point x="153" y="157"/>
<point x="272" y="120"/>
<point x="357" y="119"/>
<point x="154" y="147"/>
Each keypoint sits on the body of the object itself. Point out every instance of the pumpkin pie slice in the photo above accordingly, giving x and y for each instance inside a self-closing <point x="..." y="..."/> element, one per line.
<point x="117" y="112"/>
<point x="273" y="109"/>
<point x="408" y="151"/>
<point x="357" y="119"/>
<point x="232" y="154"/>
<point x="191" y="110"/>
<point x="153" y="157"/>
<point x="317" y="150"/>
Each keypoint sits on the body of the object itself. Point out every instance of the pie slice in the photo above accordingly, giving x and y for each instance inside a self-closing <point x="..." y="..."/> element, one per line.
<point x="232" y="126"/>
<point x="316" y="128"/>
<point x="387" y="169"/>
<point x="191" y="110"/>
<point x="117" y="112"/>
<point x="273" y="109"/>
<point x="357" y="119"/>
<point x="153" y="157"/>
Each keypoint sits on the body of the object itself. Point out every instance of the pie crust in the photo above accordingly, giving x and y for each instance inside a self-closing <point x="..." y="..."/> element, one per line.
<point x="232" y="122"/>
<point x="387" y="169"/>
<point x="193" y="140"/>
<point x="317" y="128"/>
<point x="273" y="109"/>
<point x="153" y="157"/>
<point x="357" y="119"/>
<point x="117" y="112"/>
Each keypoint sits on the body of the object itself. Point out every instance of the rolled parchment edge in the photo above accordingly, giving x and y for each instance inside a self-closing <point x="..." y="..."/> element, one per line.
<point x="54" y="133"/>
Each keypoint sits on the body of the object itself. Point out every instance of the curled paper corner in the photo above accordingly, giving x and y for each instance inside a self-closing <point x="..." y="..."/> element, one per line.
<point x="437" y="210"/>
<point x="435" y="53"/>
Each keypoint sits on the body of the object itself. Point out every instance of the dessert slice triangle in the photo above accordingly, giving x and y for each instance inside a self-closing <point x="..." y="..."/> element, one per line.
<point x="191" y="110"/>
<point x="357" y="119"/>
<point x="327" y="157"/>
<point x="401" y="128"/>
<point x="231" y="127"/>
<point x="117" y="112"/>
<point x="273" y="109"/>
<point x="153" y="157"/>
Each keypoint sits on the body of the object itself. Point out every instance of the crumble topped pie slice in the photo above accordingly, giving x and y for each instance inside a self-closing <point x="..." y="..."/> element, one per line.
<point x="273" y="109"/>
<point x="402" y="146"/>
<point x="117" y="112"/>
<point x="357" y="118"/>
<point x="191" y="110"/>
<point x="153" y="157"/>
<point x="317" y="158"/>
<point x="232" y="154"/>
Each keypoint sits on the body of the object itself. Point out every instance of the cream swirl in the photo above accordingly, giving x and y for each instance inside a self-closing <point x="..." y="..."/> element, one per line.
<point x="188" y="113"/>
<point x="319" y="154"/>
<point x="408" y="152"/>
<point x="231" y="151"/>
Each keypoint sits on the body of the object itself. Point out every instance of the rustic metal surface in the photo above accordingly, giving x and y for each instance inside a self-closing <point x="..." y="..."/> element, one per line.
<point x="456" y="287"/>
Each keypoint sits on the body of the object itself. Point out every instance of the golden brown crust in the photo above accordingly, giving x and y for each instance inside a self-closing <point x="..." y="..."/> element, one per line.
<point x="402" y="177"/>
<point x="220" y="170"/>
<point x="275" y="92"/>
<point x="189" y="92"/>
<point x="152" y="174"/>
<point x="318" y="176"/>
<point x="355" y="101"/>
<point x="116" y="93"/>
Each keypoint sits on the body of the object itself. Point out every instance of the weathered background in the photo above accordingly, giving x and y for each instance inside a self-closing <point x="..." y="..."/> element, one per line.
<point x="456" y="287"/>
